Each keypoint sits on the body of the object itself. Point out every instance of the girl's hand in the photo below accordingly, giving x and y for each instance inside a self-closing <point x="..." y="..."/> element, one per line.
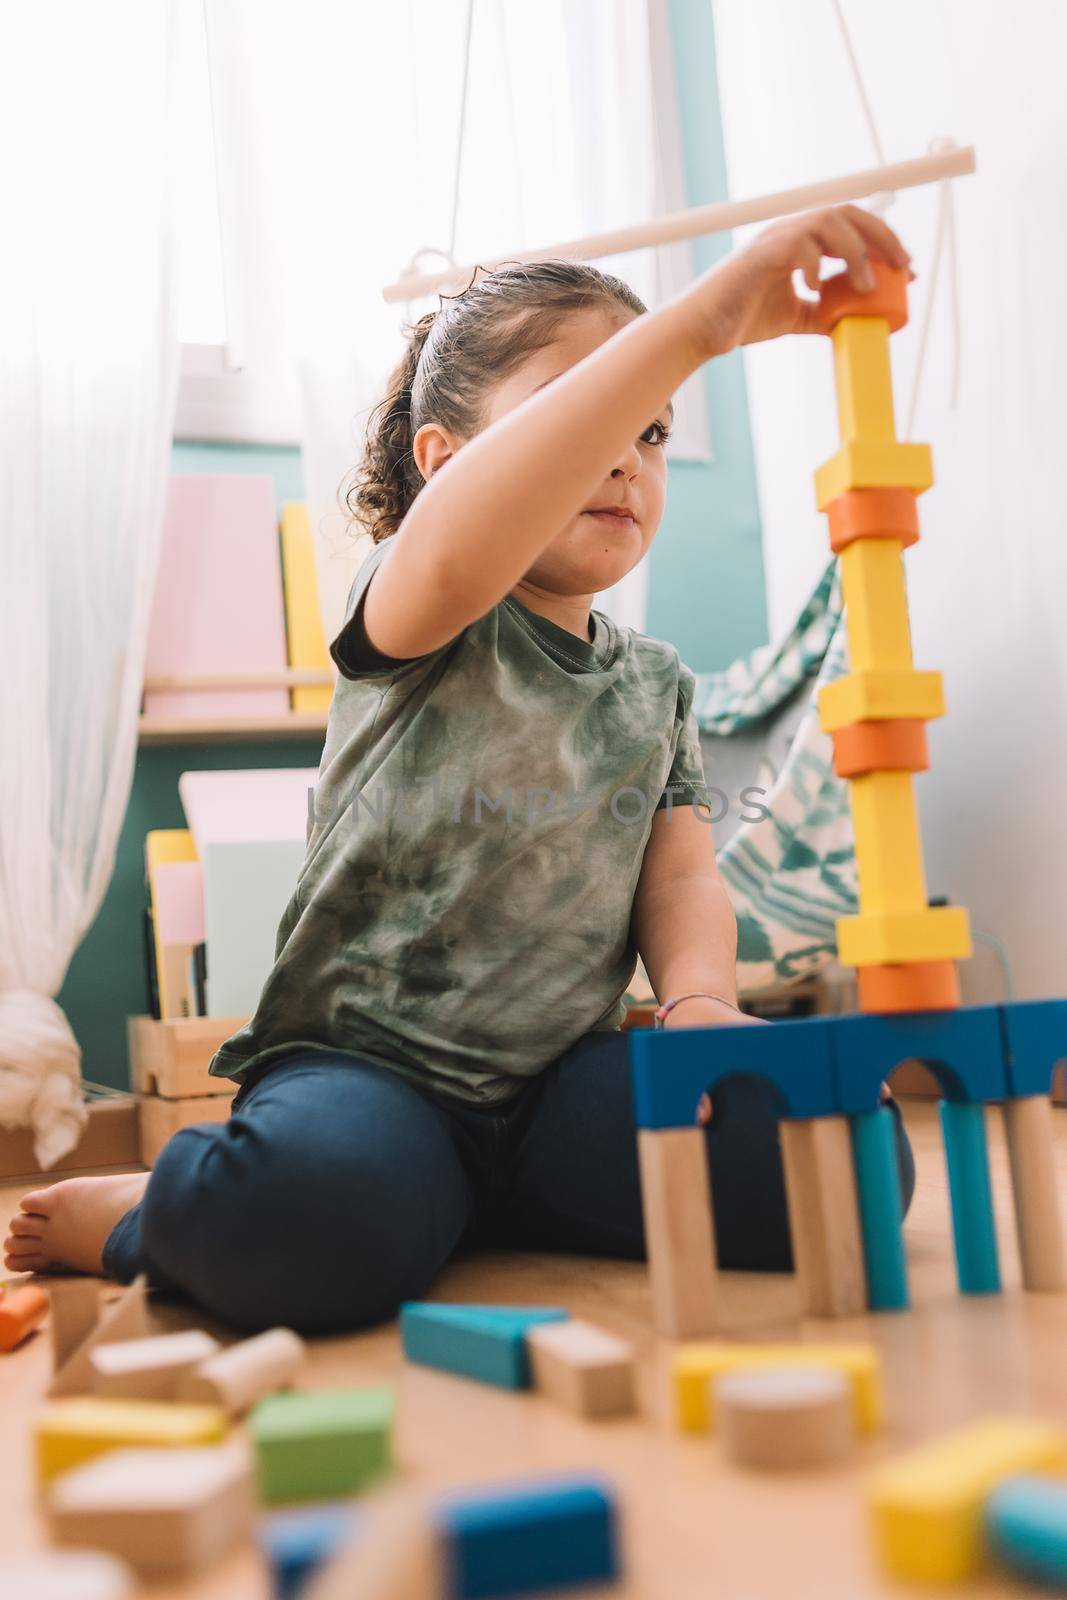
<point x="750" y="296"/>
<point x="700" y="1013"/>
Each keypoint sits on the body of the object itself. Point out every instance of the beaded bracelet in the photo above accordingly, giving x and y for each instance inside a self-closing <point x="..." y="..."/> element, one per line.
<point x="668" y="1006"/>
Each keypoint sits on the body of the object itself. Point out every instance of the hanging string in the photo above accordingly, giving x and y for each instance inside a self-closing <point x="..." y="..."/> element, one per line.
<point x="882" y="201"/>
<point x="944" y="249"/>
<point x="449" y="255"/>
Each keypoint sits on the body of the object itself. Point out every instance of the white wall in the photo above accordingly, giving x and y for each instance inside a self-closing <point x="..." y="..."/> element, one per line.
<point x="988" y="581"/>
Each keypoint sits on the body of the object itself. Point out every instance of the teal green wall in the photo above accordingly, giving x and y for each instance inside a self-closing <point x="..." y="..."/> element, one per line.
<point x="706" y="595"/>
<point x="706" y="588"/>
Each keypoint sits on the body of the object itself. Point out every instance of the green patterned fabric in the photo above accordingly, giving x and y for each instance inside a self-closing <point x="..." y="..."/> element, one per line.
<point x="792" y="873"/>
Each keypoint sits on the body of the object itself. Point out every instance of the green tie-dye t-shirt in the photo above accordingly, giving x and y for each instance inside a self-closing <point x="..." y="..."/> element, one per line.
<point x="463" y="912"/>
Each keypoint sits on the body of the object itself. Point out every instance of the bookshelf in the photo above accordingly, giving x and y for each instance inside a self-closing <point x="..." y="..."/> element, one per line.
<point x="162" y="730"/>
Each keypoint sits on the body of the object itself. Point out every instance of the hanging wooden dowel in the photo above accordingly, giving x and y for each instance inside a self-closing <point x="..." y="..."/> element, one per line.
<point x="700" y="220"/>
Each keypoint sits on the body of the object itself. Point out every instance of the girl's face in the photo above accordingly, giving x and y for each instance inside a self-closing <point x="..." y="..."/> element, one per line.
<point x="592" y="552"/>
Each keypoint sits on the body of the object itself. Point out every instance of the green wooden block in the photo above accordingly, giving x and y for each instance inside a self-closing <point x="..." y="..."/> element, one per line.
<point x="327" y="1443"/>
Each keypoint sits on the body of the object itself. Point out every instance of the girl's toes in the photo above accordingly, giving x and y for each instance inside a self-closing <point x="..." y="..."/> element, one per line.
<point x="15" y="1246"/>
<point x="37" y="1201"/>
<point x="25" y="1225"/>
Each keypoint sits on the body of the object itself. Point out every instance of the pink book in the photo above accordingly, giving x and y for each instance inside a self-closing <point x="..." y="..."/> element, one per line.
<point x="178" y="902"/>
<point x="218" y="599"/>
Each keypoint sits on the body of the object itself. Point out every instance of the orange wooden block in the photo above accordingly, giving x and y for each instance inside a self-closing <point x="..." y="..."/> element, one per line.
<point x="888" y="298"/>
<point x="909" y="986"/>
<point x="20" y="1312"/>
<point x="891" y="746"/>
<point x="873" y="514"/>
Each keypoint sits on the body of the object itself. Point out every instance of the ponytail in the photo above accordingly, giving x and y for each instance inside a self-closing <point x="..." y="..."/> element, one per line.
<point x="387" y="479"/>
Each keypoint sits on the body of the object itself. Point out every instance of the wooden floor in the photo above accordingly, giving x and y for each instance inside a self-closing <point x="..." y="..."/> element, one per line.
<point x="693" y="1526"/>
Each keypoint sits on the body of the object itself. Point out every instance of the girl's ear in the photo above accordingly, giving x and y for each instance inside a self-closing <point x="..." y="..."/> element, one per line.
<point x="432" y="446"/>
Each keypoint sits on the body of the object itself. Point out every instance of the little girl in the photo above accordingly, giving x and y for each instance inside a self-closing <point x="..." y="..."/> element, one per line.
<point x="510" y="808"/>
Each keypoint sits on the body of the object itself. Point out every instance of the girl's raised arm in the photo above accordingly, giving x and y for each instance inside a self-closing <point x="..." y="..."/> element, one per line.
<point x="481" y="523"/>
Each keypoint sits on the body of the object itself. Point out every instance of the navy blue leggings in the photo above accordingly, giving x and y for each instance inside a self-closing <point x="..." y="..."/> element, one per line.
<point x="336" y="1189"/>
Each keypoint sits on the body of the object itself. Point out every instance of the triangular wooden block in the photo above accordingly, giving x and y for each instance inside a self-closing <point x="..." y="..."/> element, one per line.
<point x="483" y="1342"/>
<point x="125" y="1318"/>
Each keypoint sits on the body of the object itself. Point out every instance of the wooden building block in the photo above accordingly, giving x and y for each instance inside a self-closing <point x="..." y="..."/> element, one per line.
<point x="874" y="1151"/>
<point x="909" y="986"/>
<point x="171" y="1058"/>
<point x="166" y="1512"/>
<point x="236" y="1377"/>
<point x="298" y="1541"/>
<point x="162" y="1119"/>
<point x="838" y="297"/>
<point x="124" y="1318"/>
<point x="395" y="1553"/>
<point x="696" y="1365"/>
<point x="1038" y="1218"/>
<point x="878" y="693"/>
<point x="864" y="380"/>
<point x="21" y="1311"/>
<point x="1026" y="1527"/>
<point x="149" y="1369"/>
<point x="876" y="605"/>
<point x="873" y="514"/>
<point x="938" y="933"/>
<point x="305" y="639"/>
<point x="75" y="1304"/>
<point x="785" y="1417"/>
<point x="69" y="1432"/>
<point x="974" y="1236"/>
<point x="584" y="1368"/>
<point x="538" y="1535"/>
<point x="483" y="1342"/>
<point x="679" y="1230"/>
<point x="873" y="464"/>
<point x="889" y="859"/>
<point x="893" y="745"/>
<point x="824" y="1216"/>
<point x="321" y="1445"/>
<point x="69" y="1575"/>
<point x="926" y="1506"/>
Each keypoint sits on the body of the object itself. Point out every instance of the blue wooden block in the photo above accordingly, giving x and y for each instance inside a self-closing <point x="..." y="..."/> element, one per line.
<point x="296" y="1542"/>
<point x="1035" y="1042"/>
<point x="673" y="1067"/>
<point x="874" y="1151"/>
<point x="1026" y="1525"/>
<point x="964" y="1049"/>
<point x="520" y="1538"/>
<point x="973" y="1233"/>
<point x="484" y="1342"/>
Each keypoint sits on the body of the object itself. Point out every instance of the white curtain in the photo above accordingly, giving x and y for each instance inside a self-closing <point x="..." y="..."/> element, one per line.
<point x="337" y="137"/>
<point x="87" y="389"/>
<point x="988" y="578"/>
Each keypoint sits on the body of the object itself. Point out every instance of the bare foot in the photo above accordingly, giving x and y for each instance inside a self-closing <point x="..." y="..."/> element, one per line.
<point x="67" y="1224"/>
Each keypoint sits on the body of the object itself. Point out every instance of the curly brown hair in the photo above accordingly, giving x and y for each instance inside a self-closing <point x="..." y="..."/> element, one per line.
<point x="454" y="354"/>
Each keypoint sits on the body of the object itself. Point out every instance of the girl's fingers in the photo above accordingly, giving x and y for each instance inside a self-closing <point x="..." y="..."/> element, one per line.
<point x="839" y="237"/>
<point x="879" y="236"/>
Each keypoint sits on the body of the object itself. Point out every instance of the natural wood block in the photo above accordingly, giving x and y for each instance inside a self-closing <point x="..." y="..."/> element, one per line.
<point x="69" y="1575"/>
<point x="679" y="1231"/>
<point x="1038" y="1219"/>
<point x="397" y="1554"/>
<point x="72" y="1431"/>
<point x="75" y="1304"/>
<point x="162" y="1119"/>
<point x="149" y="1369"/>
<point x="785" y="1417"/>
<point x="824" y="1216"/>
<point x="171" y="1057"/>
<point x="584" y="1368"/>
<point x="236" y="1377"/>
<point x="109" y="1139"/>
<point x="125" y="1318"/>
<point x="166" y="1512"/>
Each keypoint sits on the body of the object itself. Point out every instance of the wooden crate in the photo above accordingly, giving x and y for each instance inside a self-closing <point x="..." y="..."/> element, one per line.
<point x="171" y="1058"/>
<point x="160" y="1119"/>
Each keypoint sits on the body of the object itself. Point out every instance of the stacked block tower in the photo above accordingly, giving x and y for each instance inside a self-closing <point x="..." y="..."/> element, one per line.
<point x="904" y="949"/>
<point x="826" y="1073"/>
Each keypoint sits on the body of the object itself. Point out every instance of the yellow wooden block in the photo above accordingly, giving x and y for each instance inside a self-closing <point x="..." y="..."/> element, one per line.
<point x="876" y="605"/>
<point x="71" y="1431"/>
<point x="927" y="1506"/>
<point x="879" y="693"/>
<point x="306" y="640"/>
<point x="697" y="1365"/>
<point x="939" y="933"/>
<point x="873" y="464"/>
<point x="864" y="379"/>
<point x="889" y="858"/>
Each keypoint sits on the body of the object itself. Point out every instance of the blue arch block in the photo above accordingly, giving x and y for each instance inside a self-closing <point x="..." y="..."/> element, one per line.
<point x="672" y="1067"/>
<point x="964" y="1049"/>
<point x="1035" y="1041"/>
